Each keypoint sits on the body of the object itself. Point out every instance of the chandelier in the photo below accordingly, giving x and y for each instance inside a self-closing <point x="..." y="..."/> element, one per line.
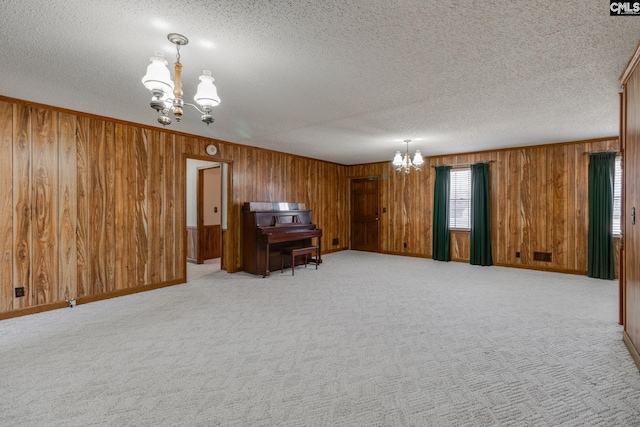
<point x="167" y="95"/>
<point x="405" y="163"/>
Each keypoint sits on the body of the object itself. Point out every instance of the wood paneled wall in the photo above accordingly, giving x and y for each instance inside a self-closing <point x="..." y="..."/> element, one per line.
<point x="630" y="121"/>
<point x="539" y="202"/>
<point x="92" y="208"/>
<point x="261" y="175"/>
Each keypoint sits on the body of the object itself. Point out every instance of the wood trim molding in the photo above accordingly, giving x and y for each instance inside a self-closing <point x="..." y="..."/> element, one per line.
<point x="632" y="350"/>
<point x="206" y="140"/>
<point x="527" y="267"/>
<point x="631" y="66"/>
<point x="524" y="147"/>
<point x="199" y="215"/>
<point x="535" y="267"/>
<point x="88" y="299"/>
<point x="33" y="310"/>
<point x="412" y="255"/>
<point x="328" y="251"/>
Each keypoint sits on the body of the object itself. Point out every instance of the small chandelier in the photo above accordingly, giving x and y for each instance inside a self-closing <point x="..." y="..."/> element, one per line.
<point x="405" y="163"/>
<point x="167" y="96"/>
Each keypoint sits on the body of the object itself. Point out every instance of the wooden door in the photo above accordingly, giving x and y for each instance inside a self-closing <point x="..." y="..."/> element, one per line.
<point x="365" y="208"/>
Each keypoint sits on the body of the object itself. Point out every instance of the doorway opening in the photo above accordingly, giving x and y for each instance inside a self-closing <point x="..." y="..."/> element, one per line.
<point x="206" y="205"/>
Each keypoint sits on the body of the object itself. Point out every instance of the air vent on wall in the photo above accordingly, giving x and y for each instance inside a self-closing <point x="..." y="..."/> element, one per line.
<point x="542" y="256"/>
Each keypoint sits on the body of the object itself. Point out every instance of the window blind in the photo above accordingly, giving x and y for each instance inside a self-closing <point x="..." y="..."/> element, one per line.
<point x="460" y="199"/>
<point x="617" y="197"/>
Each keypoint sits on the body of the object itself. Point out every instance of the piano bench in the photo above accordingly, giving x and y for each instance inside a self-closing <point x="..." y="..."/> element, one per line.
<point x="294" y="252"/>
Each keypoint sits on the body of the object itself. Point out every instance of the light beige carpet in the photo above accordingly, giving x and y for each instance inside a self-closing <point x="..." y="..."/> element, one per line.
<point x="366" y="340"/>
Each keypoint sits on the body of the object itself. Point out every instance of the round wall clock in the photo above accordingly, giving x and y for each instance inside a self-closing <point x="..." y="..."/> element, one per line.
<point x="212" y="150"/>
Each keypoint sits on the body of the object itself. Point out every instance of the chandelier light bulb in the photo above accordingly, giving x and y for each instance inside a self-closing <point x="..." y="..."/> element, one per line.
<point x="397" y="160"/>
<point x="158" y="79"/>
<point x="418" y="161"/>
<point x="207" y="94"/>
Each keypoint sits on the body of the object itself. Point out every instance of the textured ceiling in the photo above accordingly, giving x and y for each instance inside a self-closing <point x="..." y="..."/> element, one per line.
<point x="336" y="80"/>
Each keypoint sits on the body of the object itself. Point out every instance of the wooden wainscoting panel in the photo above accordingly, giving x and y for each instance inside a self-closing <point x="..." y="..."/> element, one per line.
<point x="170" y="238"/>
<point x="154" y="200"/>
<point x="83" y="141"/>
<point x="416" y="233"/>
<point x="133" y="269"/>
<point x="572" y="206"/>
<point x="123" y="221"/>
<point x="529" y="216"/>
<point x="397" y="209"/>
<point x="6" y="206"/>
<point x="192" y="244"/>
<point x="334" y="194"/>
<point x="460" y="245"/>
<point x="544" y="207"/>
<point x="580" y="214"/>
<point x="67" y="281"/>
<point x="241" y="190"/>
<point x="389" y="239"/>
<point x="98" y="205"/>
<point x="45" y="206"/>
<point x="22" y="205"/>
<point x="142" y="255"/>
<point x="515" y="204"/>
<point x="110" y="206"/>
<point x="558" y="238"/>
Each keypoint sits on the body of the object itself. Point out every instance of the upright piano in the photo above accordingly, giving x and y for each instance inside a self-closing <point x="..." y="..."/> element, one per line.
<point x="268" y="228"/>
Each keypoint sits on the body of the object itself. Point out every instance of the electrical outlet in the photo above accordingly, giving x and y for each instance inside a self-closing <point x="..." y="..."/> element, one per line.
<point x="405" y="245"/>
<point x="335" y="241"/>
<point x="517" y="254"/>
<point x="20" y="292"/>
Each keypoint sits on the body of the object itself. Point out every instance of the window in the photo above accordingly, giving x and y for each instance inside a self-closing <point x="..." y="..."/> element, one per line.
<point x="617" y="197"/>
<point x="460" y="199"/>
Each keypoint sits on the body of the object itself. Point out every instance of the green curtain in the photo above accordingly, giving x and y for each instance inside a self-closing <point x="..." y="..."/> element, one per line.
<point x="600" y="251"/>
<point x="480" y="215"/>
<point x="441" y="214"/>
